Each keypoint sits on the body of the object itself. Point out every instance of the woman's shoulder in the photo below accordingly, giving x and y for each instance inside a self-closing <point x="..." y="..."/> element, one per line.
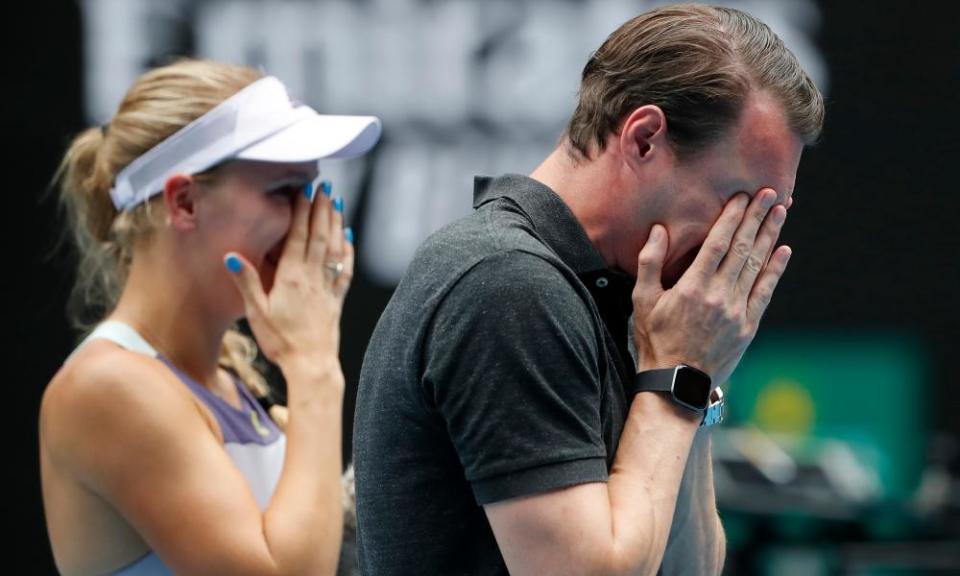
<point x="105" y="391"/>
<point x="101" y="370"/>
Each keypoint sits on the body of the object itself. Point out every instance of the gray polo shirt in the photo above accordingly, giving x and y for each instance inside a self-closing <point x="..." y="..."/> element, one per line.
<point x="496" y="371"/>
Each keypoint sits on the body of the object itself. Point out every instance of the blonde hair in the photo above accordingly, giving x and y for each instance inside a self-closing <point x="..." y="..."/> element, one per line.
<point x="160" y="103"/>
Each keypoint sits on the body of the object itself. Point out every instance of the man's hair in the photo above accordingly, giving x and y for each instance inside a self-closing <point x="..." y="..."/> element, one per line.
<point x="698" y="64"/>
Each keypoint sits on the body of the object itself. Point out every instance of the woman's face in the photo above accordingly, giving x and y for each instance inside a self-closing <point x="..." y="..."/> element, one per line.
<point x="248" y="209"/>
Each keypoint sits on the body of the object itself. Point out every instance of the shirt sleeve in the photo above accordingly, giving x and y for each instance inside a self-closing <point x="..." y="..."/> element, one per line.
<point x="512" y="366"/>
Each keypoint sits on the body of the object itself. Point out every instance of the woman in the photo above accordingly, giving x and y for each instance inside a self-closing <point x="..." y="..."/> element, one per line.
<point x="192" y="208"/>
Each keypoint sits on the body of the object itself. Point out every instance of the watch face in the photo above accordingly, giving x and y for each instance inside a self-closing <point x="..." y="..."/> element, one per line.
<point x="691" y="387"/>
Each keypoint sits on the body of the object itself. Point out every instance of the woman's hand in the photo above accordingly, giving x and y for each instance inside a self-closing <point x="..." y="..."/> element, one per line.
<point x="298" y="320"/>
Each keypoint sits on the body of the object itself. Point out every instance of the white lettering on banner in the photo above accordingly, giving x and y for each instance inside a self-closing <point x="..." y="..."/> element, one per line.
<point x="464" y="87"/>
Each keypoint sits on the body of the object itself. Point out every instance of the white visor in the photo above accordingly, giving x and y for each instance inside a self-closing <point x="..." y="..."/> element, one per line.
<point x="259" y="122"/>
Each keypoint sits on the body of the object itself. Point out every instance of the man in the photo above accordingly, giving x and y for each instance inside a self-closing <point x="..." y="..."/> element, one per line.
<point x="502" y="424"/>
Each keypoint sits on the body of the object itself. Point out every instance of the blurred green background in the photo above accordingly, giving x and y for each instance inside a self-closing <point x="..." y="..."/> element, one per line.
<point x="822" y="461"/>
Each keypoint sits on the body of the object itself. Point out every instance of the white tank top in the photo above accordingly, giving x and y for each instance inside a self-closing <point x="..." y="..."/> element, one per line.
<point x="251" y="439"/>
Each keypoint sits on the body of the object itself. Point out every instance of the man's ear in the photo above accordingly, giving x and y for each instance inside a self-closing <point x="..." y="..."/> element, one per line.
<point x="644" y="135"/>
<point x="178" y="197"/>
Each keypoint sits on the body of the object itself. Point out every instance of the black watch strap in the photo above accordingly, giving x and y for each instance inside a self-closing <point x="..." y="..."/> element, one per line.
<point x="687" y="386"/>
<point x="660" y="380"/>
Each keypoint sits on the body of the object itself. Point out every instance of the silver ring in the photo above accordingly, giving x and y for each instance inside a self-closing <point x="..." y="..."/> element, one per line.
<point x="335" y="268"/>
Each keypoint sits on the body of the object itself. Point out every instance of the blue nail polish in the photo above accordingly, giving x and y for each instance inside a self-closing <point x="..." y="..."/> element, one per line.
<point x="348" y="234"/>
<point x="233" y="263"/>
<point x="327" y="188"/>
<point x="338" y="204"/>
<point x="308" y="191"/>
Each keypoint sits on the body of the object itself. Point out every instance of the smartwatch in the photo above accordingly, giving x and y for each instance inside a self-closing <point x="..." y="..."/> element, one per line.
<point x="689" y="387"/>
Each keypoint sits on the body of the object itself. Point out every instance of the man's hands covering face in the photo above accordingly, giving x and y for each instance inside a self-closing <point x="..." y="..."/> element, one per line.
<point x="711" y="315"/>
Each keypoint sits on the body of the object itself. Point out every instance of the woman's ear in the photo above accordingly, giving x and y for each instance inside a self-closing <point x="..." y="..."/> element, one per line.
<point x="178" y="197"/>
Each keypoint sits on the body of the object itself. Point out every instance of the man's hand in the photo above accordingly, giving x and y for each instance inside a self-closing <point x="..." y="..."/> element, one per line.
<point x="711" y="315"/>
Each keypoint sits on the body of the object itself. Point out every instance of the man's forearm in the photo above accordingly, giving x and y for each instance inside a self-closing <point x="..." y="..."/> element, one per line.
<point x="646" y="480"/>
<point x="620" y="528"/>
<point x="697" y="544"/>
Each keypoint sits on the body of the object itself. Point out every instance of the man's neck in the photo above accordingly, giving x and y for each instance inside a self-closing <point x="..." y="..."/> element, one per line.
<point x="594" y="191"/>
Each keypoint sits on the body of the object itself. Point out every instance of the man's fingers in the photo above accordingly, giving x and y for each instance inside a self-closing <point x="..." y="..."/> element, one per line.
<point x="745" y="238"/>
<point x="650" y="261"/>
<point x="762" y="250"/>
<point x="717" y="244"/>
<point x="763" y="290"/>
